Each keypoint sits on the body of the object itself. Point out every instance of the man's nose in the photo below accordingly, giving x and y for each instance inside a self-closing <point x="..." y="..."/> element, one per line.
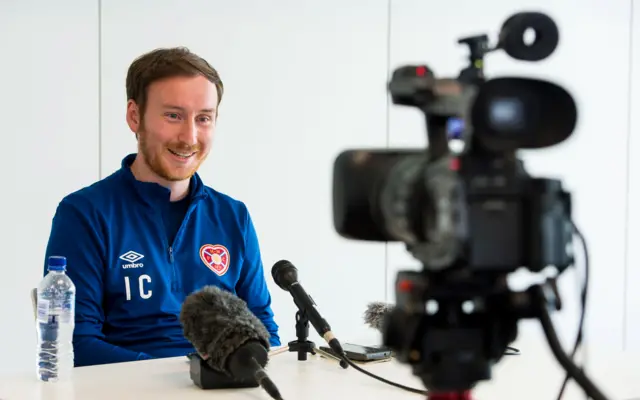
<point x="190" y="132"/>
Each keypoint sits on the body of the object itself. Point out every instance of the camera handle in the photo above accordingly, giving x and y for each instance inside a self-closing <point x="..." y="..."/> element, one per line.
<point x="478" y="48"/>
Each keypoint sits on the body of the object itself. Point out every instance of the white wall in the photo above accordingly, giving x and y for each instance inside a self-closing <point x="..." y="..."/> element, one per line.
<point x="50" y="117"/>
<point x="632" y="306"/>
<point x="304" y="80"/>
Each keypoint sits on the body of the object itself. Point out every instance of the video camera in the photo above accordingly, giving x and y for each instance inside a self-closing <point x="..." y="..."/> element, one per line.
<point x="471" y="217"/>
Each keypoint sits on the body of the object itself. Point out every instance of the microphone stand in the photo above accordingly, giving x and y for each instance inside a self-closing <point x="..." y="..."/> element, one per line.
<point x="302" y="345"/>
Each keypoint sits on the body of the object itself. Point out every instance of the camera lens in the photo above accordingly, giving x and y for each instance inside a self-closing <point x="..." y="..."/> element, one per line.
<point x="360" y="178"/>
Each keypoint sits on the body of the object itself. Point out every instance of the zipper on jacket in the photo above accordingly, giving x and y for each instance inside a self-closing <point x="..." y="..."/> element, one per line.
<point x="174" y="281"/>
<point x="175" y="284"/>
<point x="185" y="220"/>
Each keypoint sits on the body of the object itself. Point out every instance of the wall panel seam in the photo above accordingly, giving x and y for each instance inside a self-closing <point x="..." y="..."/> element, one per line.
<point x="625" y="288"/>
<point x="387" y="267"/>
<point x="99" y="89"/>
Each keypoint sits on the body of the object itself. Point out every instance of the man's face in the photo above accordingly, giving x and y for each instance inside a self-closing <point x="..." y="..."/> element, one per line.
<point x="176" y="132"/>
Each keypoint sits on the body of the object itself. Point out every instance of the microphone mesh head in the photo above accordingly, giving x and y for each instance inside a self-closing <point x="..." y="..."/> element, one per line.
<point x="275" y="270"/>
<point x="284" y="274"/>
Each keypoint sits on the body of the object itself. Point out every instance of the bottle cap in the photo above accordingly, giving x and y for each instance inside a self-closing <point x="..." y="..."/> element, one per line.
<point x="57" y="263"/>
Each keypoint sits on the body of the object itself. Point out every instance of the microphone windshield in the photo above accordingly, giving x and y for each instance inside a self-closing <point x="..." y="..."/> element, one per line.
<point x="376" y="313"/>
<point x="217" y="323"/>
<point x="284" y="274"/>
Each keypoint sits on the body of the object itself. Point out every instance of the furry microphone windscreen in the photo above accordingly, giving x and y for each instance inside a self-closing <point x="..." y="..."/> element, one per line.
<point x="375" y="314"/>
<point x="217" y="323"/>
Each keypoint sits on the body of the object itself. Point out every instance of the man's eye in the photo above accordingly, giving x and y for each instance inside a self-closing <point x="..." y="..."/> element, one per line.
<point x="205" y="119"/>
<point x="172" y="115"/>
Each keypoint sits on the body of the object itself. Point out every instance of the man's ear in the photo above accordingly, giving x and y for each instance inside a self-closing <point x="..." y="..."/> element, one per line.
<point x="133" y="116"/>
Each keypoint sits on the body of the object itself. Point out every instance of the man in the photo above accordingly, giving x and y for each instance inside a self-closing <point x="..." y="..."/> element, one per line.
<point x="140" y="240"/>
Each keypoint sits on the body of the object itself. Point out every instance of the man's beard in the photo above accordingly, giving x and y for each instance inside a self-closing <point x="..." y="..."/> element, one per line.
<point x="155" y="163"/>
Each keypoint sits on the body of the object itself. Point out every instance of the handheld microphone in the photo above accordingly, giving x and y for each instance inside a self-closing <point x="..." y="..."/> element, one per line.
<point x="285" y="275"/>
<point x="231" y="341"/>
<point x="376" y="314"/>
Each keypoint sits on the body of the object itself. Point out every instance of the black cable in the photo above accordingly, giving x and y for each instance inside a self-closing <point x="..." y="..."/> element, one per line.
<point x="512" y="351"/>
<point x="263" y="380"/>
<point x="563" y="359"/>
<point x="583" y="303"/>
<point x="357" y="368"/>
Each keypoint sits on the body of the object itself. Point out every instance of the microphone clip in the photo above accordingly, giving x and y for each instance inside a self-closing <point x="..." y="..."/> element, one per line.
<point x="302" y="344"/>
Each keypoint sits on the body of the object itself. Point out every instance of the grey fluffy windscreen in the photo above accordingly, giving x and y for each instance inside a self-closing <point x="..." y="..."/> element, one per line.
<point x="217" y="322"/>
<point x="375" y="314"/>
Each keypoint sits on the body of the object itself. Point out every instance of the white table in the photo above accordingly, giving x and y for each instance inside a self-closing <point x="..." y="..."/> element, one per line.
<point x="533" y="375"/>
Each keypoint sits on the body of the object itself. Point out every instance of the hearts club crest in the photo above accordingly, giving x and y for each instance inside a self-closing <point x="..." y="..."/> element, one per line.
<point x="216" y="257"/>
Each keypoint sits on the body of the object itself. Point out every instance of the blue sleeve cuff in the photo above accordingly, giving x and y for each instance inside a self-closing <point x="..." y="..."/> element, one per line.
<point x="144" y="356"/>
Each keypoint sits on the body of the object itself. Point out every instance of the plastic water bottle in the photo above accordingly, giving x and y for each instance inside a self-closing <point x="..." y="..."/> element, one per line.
<point x="55" y="322"/>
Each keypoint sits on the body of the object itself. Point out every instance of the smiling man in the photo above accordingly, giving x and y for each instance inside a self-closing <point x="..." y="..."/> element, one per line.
<point x="142" y="239"/>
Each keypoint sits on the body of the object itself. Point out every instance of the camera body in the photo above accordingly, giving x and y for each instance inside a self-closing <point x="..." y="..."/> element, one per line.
<point x="483" y="212"/>
<point x="470" y="217"/>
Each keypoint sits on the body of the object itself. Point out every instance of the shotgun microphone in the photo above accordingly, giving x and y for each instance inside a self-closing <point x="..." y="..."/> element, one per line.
<point x="230" y="340"/>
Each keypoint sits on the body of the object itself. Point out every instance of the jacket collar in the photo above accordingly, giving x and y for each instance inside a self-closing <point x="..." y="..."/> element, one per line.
<point x="151" y="192"/>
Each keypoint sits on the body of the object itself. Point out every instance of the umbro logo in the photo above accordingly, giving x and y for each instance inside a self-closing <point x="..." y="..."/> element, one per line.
<point x="131" y="257"/>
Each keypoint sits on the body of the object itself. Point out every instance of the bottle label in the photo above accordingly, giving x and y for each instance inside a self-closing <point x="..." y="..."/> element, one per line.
<point x="43" y="310"/>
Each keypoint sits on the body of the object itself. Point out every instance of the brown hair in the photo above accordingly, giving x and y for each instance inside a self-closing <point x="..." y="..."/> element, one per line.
<point x="164" y="63"/>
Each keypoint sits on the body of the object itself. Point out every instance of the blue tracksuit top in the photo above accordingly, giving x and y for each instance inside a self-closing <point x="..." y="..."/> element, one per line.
<point x="131" y="282"/>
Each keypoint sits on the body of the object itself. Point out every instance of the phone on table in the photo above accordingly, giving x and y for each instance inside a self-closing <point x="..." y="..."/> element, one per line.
<point x="360" y="353"/>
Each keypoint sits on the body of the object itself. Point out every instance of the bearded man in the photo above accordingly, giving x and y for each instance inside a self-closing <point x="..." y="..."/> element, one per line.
<point x="142" y="239"/>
